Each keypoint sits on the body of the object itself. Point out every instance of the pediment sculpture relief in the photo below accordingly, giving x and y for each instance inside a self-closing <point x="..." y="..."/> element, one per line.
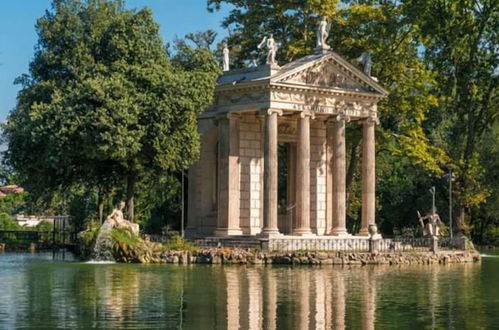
<point x="326" y="75"/>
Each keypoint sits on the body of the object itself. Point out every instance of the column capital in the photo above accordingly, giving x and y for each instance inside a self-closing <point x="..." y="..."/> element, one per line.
<point x="270" y="111"/>
<point x="307" y="113"/>
<point x="370" y="120"/>
<point x="341" y="117"/>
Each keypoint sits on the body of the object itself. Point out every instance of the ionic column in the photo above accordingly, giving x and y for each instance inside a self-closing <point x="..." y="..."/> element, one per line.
<point x="270" y="174"/>
<point x="339" y="176"/>
<point x="228" y="177"/>
<point x="368" y="176"/>
<point x="303" y="176"/>
<point x="329" y="176"/>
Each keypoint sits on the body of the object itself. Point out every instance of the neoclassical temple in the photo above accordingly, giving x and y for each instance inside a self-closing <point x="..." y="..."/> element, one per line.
<point x="273" y="150"/>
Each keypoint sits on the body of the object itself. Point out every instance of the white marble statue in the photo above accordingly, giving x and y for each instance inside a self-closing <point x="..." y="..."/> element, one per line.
<point x="366" y="62"/>
<point x="430" y="223"/>
<point x="117" y="220"/>
<point x="271" y="46"/>
<point x="323" y="33"/>
<point x="225" y="62"/>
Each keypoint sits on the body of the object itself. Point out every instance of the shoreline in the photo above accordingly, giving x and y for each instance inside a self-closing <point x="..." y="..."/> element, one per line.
<point x="240" y="256"/>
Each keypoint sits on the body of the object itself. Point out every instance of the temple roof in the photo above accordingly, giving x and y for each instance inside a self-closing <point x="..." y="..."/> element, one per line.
<point x="322" y="71"/>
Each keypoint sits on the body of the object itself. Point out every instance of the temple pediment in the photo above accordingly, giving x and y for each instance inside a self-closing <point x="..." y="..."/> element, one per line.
<point x="327" y="71"/>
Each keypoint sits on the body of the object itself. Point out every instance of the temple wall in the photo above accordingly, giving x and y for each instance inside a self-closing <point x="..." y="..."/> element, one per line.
<point x="251" y="167"/>
<point x="202" y="183"/>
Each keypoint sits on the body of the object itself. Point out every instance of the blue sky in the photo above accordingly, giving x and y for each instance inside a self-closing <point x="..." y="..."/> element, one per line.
<point x="18" y="36"/>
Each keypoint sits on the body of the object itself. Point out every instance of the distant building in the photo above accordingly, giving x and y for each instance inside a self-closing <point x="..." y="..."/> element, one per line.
<point x="31" y="220"/>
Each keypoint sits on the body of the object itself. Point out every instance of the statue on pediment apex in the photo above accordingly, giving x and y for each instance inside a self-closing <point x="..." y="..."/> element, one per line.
<point x="365" y="60"/>
<point x="322" y="34"/>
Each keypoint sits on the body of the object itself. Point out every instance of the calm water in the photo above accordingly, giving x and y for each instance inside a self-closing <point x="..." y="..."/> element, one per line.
<point x="36" y="292"/>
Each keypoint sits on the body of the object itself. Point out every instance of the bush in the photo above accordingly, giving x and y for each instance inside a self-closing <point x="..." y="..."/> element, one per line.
<point x="8" y="223"/>
<point x="177" y="243"/>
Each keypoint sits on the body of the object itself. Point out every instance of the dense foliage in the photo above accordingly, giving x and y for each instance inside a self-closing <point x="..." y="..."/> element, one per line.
<point x="105" y="109"/>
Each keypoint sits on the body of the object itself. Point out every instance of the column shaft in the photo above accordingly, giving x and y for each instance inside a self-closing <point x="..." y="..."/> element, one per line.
<point x="270" y="175"/>
<point x="303" y="177"/>
<point x="329" y="177"/>
<point x="368" y="177"/>
<point x="339" y="178"/>
<point x="228" y="177"/>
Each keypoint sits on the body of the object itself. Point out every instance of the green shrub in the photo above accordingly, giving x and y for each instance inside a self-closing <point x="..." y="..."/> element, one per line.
<point x="8" y="223"/>
<point x="177" y="243"/>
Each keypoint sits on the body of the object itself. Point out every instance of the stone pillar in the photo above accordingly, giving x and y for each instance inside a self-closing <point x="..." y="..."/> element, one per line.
<point x="339" y="177"/>
<point x="329" y="176"/>
<point x="270" y="174"/>
<point x="302" y="223"/>
<point x="228" y="177"/>
<point x="368" y="176"/>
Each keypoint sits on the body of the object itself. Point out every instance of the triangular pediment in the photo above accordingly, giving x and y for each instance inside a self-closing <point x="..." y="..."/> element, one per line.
<point x="328" y="71"/>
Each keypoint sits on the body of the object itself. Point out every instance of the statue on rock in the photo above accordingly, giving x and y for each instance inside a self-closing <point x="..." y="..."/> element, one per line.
<point x="116" y="219"/>
<point x="322" y="34"/>
<point x="430" y="223"/>
<point x="225" y="62"/>
<point x="271" y="46"/>
<point x="366" y="62"/>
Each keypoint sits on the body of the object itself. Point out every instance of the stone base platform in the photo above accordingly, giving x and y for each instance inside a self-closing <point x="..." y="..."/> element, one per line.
<point x="227" y="256"/>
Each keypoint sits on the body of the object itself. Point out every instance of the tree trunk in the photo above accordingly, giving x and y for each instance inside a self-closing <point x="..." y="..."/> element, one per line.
<point x="130" y="193"/>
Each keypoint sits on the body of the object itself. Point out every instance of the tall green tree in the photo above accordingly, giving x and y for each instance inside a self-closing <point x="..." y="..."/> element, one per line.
<point x="104" y="105"/>
<point x="461" y="43"/>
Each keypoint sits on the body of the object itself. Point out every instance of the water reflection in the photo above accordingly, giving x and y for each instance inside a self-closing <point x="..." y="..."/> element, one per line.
<point x="41" y="294"/>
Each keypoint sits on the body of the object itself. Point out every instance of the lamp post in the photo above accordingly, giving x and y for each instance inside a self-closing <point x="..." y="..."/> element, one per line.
<point x="432" y="191"/>
<point x="450" y="177"/>
<point x="182" y="211"/>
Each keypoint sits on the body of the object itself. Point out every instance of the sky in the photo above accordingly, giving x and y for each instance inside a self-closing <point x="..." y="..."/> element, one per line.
<point x="18" y="36"/>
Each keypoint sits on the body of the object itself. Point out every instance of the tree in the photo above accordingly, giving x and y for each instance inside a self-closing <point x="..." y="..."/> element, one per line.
<point x="104" y="105"/>
<point x="461" y="43"/>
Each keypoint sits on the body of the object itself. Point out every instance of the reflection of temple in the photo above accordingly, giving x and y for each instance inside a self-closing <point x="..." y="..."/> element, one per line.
<point x="308" y="299"/>
<point x="273" y="150"/>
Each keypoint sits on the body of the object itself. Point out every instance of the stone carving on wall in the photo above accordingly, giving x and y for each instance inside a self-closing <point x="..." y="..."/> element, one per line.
<point x="232" y="99"/>
<point x="326" y="75"/>
<point x="286" y="129"/>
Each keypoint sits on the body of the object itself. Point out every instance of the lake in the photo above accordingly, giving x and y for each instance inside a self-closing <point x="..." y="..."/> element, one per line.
<point x="40" y="293"/>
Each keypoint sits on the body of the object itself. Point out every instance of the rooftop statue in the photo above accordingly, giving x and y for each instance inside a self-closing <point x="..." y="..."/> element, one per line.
<point x="225" y="62"/>
<point x="271" y="46"/>
<point x="323" y="33"/>
<point x="366" y="62"/>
